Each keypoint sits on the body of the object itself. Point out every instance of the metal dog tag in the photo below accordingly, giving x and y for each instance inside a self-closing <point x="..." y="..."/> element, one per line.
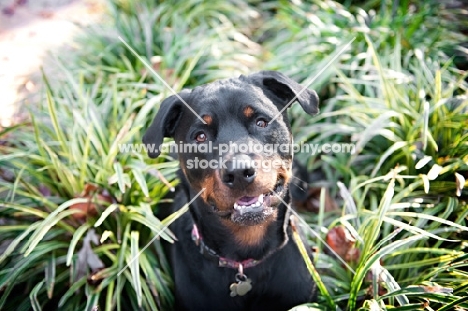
<point x="242" y="287"/>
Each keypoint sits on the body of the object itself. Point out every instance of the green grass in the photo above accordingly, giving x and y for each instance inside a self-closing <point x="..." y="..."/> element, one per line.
<point x="396" y="93"/>
<point x="65" y="151"/>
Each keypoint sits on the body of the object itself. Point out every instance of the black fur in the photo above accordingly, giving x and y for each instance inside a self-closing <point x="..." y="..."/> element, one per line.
<point x="281" y="281"/>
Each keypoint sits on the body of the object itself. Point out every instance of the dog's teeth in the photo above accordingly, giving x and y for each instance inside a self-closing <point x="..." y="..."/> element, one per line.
<point x="260" y="199"/>
<point x="245" y="208"/>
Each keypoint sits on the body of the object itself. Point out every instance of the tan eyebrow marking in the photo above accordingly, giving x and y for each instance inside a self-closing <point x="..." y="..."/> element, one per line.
<point x="208" y="119"/>
<point x="248" y="111"/>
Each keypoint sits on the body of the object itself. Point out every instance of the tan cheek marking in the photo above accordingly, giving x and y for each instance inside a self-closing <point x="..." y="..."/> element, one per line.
<point x="219" y="195"/>
<point x="248" y="111"/>
<point x="208" y="119"/>
<point x="209" y="185"/>
<point x="286" y="175"/>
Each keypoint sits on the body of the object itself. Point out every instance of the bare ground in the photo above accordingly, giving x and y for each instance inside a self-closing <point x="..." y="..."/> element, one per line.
<point x="30" y="31"/>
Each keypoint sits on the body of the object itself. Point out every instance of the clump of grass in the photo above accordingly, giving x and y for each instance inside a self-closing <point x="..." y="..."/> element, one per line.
<point x="299" y="37"/>
<point x="189" y="43"/>
<point x="71" y="184"/>
<point x="410" y="117"/>
<point x="408" y="121"/>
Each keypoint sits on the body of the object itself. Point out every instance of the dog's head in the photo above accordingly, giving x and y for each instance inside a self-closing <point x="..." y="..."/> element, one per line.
<point x="234" y="140"/>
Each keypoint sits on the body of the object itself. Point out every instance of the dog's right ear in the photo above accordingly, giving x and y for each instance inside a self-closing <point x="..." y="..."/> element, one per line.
<point x="165" y="123"/>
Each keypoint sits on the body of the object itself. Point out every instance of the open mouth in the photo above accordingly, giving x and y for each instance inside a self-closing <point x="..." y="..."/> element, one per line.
<point x="252" y="210"/>
<point x="252" y="204"/>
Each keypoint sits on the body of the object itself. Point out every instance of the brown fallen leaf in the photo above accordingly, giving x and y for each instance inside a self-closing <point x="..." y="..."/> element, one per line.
<point x="340" y="240"/>
<point x="312" y="203"/>
<point x="96" y="198"/>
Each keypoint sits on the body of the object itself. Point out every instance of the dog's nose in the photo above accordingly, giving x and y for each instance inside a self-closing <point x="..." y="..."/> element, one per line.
<point x="238" y="172"/>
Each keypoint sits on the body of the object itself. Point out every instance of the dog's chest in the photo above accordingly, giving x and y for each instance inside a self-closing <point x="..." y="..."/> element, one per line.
<point x="276" y="284"/>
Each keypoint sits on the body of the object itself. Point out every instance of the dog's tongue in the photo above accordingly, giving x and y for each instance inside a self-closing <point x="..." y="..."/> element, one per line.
<point x="247" y="200"/>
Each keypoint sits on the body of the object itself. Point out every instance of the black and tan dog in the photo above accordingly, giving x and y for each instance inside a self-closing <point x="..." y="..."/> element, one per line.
<point x="234" y="248"/>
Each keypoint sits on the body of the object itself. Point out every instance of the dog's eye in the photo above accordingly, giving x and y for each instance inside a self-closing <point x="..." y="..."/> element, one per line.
<point x="201" y="137"/>
<point x="262" y="123"/>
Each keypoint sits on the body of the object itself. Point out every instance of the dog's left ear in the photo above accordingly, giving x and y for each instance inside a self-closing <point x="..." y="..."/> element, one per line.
<point x="286" y="89"/>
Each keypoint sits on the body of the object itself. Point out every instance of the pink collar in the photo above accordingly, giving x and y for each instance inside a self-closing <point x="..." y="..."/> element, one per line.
<point x="226" y="262"/>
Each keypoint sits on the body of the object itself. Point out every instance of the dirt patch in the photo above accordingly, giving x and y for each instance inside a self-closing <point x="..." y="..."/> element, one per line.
<point x="29" y="31"/>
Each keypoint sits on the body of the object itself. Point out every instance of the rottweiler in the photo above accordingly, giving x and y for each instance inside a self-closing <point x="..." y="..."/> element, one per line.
<point x="235" y="249"/>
